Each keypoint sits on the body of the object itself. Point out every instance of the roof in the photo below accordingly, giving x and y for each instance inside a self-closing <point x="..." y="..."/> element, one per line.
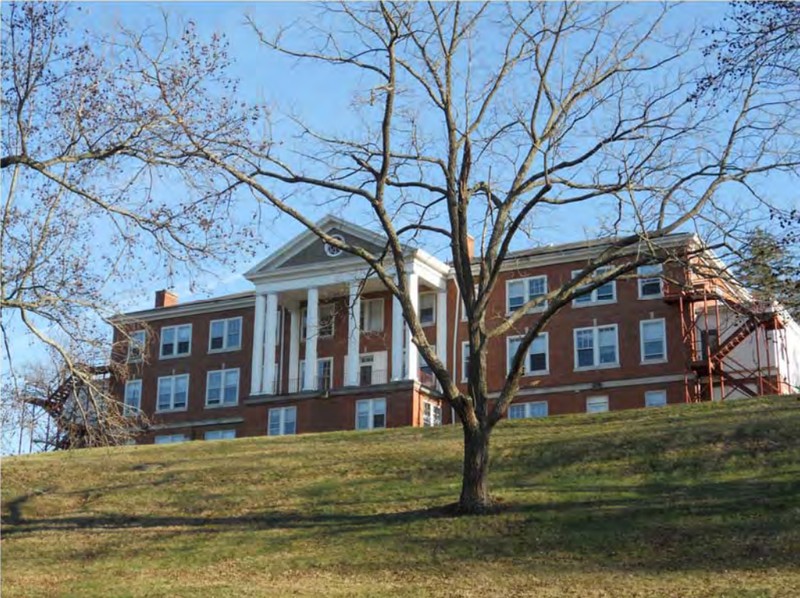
<point x="220" y="303"/>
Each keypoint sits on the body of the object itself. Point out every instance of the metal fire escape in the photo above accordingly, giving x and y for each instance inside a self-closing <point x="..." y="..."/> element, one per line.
<point x="710" y="363"/>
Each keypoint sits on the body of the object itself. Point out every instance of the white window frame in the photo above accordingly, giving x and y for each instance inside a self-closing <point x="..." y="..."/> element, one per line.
<point x="133" y="343"/>
<point x="648" y="274"/>
<point x="528" y="408"/>
<point x="596" y="365"/>
<point x="597" y="399"/>
<point x="372" y="413"/>
<point x="176" y="328"/>
<point x="127" y="408"/>
<point x="367" y="308"/>
<point x="663" y="358"/>
<point x="226" y="434"/>
<point x="280" y="413"/>
<point x="432" y="306"/>
<point x="592" y="297"/>
<point x="172" y="381"/>
<point x="170" y="438"/>
<point x="526" y="282"/>
<point x="432" y="406"/>
<point x="223" y="385"/>
<point x="526" y="371"/>
<point x="464" y="356"/>
<point x="651" y="393"/>
<point x="225" y="324"/>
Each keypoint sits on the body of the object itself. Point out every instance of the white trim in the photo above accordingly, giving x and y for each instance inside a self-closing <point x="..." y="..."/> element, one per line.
<point x="526" y="281"/>
<point x="225" y="323"/>
<point x="174" y="355"/>
<point x="596" y="365"/>
<point x="664" y="358"/>
<point x="141" y="345"/>
<point x="593" y="300"/>
<point x="371" y="413"/>
<point x="525" y="371"/>
<point x="650" y="277"/>
<point x="173" y="379"/>
<point x="223" y="375"/>
<point x="464" y="355"/>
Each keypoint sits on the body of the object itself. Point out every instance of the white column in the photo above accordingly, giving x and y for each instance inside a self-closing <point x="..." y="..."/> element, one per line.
<point x="441" y="325"/>
<point x="353" y="336"/>
<point x="258" y="345"/>
<point x="312" y="333"/>
<point x="294" y="350"/>
<point x="398" y="325"/>
<point x="412" y="355"/>
<point x="270" y="339"/>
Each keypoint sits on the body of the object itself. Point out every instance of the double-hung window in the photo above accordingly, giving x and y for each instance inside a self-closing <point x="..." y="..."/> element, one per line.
<point x="526" y="410"/>
<point x="282" y="421"/>
<point x="222" y="388"/>
<point x="520" y="291"/>
<point x="324" y="373"/>
<point x="220" y="434"/>
<point x="136" y="345"/>
<point x="465" y="361"/>
<point x="176" y="341"/>
<point x="605" y="293"/>
<point x="596" y="347"/>
<point x="372" y="315"/>
<point x="370" y="414"/>
<point x="325" y="326"/>
<point x="225" y="335"/>
<point x="654" y="340"/>
<point x="173" y="393"/>
<point x="650" y="282"/>
<point x="133" y="397"/>
<point x="431" y="414"/>
<point x="427" y="309"/>
<point x="536" y="362"/>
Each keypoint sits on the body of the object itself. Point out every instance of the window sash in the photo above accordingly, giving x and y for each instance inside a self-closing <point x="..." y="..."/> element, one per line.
<point x="282" y="421"/>
<point x="176" y="340"/>
<point x="222" y="387"/>
<point x="372" y="315"/>
<point x="427" y="309"/>
<point x="522" y="290"/>
<point x="220" y="434"/>
<point x="606" y="293"/>
<point x="465" y="361"/>
<point x="596" y="404"/>
<point x="596" y="347"/>
<point x="170" y="438"/>
<point x="173" y="393"/>
<point x="133" y="397"/>
<point x="370" y="414"/>
<point x="532" y="409"/>
<point x="654" y="340"/>
<point x="650" y="281"/>
<point x="136" y="345"/>
<point x="431" y="414"/>
<point x="655" y="398"/>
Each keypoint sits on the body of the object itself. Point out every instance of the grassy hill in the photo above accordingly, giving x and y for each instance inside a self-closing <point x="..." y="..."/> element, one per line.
<point x="700" y="500"/>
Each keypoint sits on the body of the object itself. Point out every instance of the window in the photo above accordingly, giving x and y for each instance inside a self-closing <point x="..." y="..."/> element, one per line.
<point x="225" y="335"/>
<point x="327" y="316"/>
<point x="650" y="281"/>
<point x="136" y="345"/>
<point x="526" y="410"/>
<point x="431" y="414"/>
<point x="370" y="414"/>
<point x="176" y="340"/>
<point x="606" y="293"/>
<point x="365" y="370"/>
<point x="464" y="361"/>
<point x="222" y="388"/>
<point x="324" y="373"/>
<point x="596" y="404"/>
<point x="282" y="421"/>
<point x="219" y="435"/>
<point x="170" y="438"/>
<point x="537" y="361"/>
<point x="654" y="340"/>
<point x="596" y="347"/>
<point x="133" y="397"/>
<point x="372" y="315"/>
<point x="173" y="393"/>
<point x="520" y="291"/>
<point x="655" y="398"/>
<point x="427" y="309"/>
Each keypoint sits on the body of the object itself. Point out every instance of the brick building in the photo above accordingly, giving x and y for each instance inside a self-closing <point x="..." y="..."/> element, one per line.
<point x="237" y="365"/>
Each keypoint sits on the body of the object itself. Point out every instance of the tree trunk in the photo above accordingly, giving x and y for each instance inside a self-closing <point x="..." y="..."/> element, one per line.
<point x="474" y="489"/>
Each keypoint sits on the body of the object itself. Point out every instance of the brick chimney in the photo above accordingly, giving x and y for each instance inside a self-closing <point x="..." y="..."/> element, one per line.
<point x="470" y="246"/>
<point x="166" y="298"/>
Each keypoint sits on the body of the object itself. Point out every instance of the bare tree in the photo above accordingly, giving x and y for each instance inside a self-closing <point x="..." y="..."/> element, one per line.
<point x="96" y="192"/>
<point x="496" y="118"/>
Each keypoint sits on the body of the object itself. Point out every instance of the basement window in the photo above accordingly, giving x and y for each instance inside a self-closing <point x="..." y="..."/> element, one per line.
<point x="370" y="414"/>
<point x="527" y="410"/>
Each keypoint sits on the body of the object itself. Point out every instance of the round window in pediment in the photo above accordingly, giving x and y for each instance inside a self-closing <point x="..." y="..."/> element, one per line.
<point x="332" y="251"/>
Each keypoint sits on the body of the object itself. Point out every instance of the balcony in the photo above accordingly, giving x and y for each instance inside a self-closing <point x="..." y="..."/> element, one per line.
<point x="367" y="377"/>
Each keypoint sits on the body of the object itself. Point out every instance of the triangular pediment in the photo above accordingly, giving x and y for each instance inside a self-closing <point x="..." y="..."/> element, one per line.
<point x="307" y="249"/>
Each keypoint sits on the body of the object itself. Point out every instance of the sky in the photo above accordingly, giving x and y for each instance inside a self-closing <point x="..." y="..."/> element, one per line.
<point x="321" y="95"/>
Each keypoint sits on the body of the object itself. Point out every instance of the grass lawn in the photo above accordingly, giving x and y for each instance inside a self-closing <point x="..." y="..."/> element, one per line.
<point x="696" y="500"/>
